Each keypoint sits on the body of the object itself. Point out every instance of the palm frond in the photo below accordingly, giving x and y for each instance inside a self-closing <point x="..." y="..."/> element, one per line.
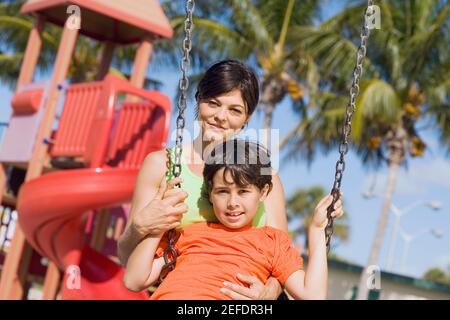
<point x="333" y="53"/>
<point x="247" y="20"/>
<point x="423" y="47"/>
<point x="10" y="66"/>
<point x="377" y="100"/>
<point x="301" y="204"/>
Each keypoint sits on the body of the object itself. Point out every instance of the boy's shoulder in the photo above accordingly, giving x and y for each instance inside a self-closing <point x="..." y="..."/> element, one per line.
<point x="274" y="233"/>
<point x="273" y="230"/>
<point x="275" y="240"/>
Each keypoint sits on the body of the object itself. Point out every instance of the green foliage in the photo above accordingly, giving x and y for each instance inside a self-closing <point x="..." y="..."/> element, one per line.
<point x="14" y="31"/>
<point x="437" y="275"/>
<point x="301" y="205"/>
<point x="406" y="59"/>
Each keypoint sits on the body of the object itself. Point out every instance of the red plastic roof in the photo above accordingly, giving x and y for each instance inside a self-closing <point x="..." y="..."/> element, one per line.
<point x="121" y="21"/>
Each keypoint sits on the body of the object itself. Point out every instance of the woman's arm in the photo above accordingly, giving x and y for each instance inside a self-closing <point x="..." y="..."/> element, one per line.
<point x="142" y="269"/>
<point x="274" y="205"/>
<point x="149" y="177"/>
<point x="150" y="215"/>
<point x="276" y="218"/>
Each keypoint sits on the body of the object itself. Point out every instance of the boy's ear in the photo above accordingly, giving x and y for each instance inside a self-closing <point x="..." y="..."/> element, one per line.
<point x="264" y="192"/>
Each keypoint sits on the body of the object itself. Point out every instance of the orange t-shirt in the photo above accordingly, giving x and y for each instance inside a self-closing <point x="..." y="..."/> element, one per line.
<point x="211" y="253"/>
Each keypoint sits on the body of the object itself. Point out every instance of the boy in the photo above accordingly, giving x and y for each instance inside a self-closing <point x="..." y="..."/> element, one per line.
<point x="237" y="177"/>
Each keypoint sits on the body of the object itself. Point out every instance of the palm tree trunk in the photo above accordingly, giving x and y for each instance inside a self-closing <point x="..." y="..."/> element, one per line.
<point x="298" y="129"/>
<point x="365" y="283"/>
<point x="376" y="245"/>
<point x="279" y="47"/>
<point x="268" y="117"/>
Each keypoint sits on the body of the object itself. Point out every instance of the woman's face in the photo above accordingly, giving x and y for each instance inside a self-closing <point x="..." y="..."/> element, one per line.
<point x="222" y="116"/>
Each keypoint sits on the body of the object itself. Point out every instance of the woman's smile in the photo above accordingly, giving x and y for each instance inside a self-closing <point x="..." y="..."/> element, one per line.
<point x="216" y="127"/>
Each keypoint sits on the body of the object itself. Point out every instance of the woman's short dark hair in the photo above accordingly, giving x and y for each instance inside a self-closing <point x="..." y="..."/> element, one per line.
<point x="226" y="76"/>
<point x="247" y="162"/>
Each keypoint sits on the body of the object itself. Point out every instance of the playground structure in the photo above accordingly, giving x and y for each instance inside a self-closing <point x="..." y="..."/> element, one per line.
<point x="76" y="182"/>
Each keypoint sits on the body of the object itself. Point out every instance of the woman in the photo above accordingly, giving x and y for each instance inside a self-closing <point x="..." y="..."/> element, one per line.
<point x="226" y="98"/>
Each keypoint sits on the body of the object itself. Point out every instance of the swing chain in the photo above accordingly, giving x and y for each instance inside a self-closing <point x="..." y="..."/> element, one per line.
<point x="183" y="85"/>
<point x="170" y="253"/>
<point x="349" y="110"/>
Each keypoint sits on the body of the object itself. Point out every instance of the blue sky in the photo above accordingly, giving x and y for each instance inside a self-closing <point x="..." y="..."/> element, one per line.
<point x="427" y="178"/>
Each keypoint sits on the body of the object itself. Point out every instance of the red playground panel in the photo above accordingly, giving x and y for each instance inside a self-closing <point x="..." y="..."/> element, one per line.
<point x="53" y="208"/>
<point x="75" y="176"/>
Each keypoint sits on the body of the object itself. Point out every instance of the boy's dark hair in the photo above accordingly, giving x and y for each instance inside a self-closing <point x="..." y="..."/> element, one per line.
<point x="247" y="162"/>
<point x="228" y="75"/>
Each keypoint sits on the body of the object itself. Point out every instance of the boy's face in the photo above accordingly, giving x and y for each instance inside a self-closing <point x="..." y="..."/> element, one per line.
<point x="235" y="206"/>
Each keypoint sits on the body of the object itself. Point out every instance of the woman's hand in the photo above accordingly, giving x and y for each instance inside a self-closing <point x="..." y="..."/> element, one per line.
<point x="164" y="212"/>
<point x="320" y="219"/>
<point x="256" y="290"/>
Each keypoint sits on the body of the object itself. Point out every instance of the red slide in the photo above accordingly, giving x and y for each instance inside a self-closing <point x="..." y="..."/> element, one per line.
<point x="52" y="212"/>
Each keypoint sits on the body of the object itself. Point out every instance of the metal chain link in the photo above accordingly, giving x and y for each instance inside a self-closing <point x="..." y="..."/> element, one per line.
<point x="183" y="85"/>
<point x="170" y="253"/>
<point x="349" y="110"/>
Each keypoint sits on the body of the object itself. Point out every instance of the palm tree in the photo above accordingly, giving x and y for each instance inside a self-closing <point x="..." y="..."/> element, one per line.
<point x="14" y="30"/>
<point x="405" y="84"/>
<point x="255" y="31"/>
<point x="301" y="205"/>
